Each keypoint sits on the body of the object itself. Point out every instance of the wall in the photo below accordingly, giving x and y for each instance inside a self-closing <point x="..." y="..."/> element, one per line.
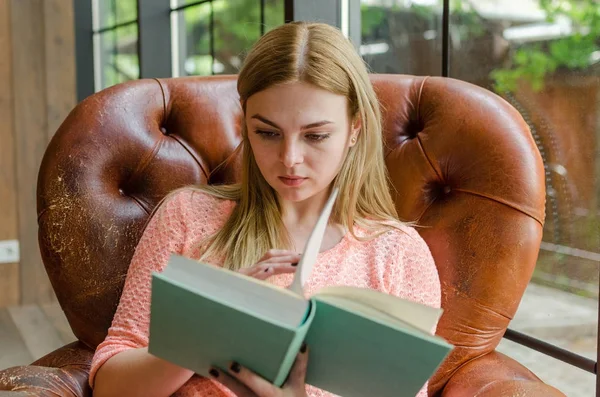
<point x="37" y="90"/>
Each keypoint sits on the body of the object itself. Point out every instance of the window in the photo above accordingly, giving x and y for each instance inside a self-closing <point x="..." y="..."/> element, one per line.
<point x="541" y="56"/>
<point x="402" y="36"/>
<point x="544" y="58"/>
<point x="212" y="36"/>
<point x="124" y="40"/>
<point x="115" y="38"/>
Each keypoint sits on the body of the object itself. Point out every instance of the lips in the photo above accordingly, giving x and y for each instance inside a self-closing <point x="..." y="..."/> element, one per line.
<point x="289" y="180"/>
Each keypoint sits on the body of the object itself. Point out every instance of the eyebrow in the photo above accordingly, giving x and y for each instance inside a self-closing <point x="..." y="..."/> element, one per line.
<point x="305" y="127"/>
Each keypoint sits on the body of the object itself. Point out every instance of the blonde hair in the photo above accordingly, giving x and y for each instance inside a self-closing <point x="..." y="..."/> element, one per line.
<point x="320" y="55"/>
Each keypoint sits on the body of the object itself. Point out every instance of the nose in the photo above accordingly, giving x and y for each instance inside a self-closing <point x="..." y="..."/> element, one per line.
<point x="291" y="153"/>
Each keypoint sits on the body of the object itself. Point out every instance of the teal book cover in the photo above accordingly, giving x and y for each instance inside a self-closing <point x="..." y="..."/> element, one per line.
<point x="362" y="342"/>
<point x="197" y="332"/>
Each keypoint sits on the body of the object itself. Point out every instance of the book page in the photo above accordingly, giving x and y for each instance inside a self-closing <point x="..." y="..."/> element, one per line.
<point x="383" y="306"/>
<point x="241" y="292"/>
<point x="313" y="246"/>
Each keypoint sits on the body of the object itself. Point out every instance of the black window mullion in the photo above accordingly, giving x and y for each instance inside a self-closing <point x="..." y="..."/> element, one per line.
<point x="327" y="11"/>
<point x="84" y="48"/>
<point x="115" y="27"/>
<point x="115" y="52"/>
<point x="154" y="38"/>
<point x="262" y="17"/>
<point x="212" y="38"/>
<point x="445" y="39"/>
<point x="354" y="22"/>
<point x="598" y="349"/>
<point x="188" y="5"/>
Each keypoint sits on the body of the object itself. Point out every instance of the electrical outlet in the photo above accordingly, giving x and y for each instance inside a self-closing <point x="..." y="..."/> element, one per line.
<point x="9" y="251"/>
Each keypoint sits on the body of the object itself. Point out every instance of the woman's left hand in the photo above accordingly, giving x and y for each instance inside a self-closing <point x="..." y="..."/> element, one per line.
<point x="245" y="383"/>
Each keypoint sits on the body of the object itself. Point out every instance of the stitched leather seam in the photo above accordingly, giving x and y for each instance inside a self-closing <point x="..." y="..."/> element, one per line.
<point x="163" y="99"/>
<point x="419" y="97"/>
<point x="144" y="206"/>
<point x="227" y="160"/>
<point x="174" y="137"/>
<point x="418" y="138"/>
<point x="192" y="154"/>
<point x="501" y="201"/>
<point x="146" y="160"/>
<point x="428" y="159"/>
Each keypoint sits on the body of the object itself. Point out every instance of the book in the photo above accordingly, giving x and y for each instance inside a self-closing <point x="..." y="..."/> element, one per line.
<point x="361" y="342"/>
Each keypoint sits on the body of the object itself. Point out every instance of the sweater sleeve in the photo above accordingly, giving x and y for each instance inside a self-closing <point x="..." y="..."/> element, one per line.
<point x="164" y="234"/>
<point x="415" y="276"/>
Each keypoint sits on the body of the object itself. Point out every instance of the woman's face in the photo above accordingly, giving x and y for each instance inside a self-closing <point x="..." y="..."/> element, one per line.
<point x="300" y="135"/>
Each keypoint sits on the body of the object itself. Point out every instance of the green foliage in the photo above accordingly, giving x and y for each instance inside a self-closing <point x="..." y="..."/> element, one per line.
<point x="371" y="18"/>
<point x="465" y="20"/>
<point x="236" y="29"/>
<point x="532" y="63"/>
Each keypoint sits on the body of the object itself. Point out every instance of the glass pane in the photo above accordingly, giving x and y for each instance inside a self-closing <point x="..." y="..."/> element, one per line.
<point x="116" y="56"/>
<point x="543" y="57"/>
<point x="402" y="36"/>
<point x="236" y="27"/>
<point x="113" y="12"/>
<point x="570" y="380"/>
<point x="192" y="29"/>
<point x="179" y="3"/>
<point x="274" y="14"/>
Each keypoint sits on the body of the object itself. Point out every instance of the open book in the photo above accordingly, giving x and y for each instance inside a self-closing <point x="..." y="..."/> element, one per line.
<point x="362" y="342"/>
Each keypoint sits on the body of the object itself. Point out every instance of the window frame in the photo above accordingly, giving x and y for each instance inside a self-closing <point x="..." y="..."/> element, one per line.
<point x="157" y="60"/>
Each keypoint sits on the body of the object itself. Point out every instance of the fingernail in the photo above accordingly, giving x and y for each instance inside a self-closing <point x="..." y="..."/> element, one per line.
<point x="295" y="264"/>
<point x="235" y="367"/>
<point x="214" y="373"/>
<point x="303" y="348"/>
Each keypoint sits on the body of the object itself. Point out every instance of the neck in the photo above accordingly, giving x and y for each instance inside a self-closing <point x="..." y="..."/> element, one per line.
<point x="303" y="214"/>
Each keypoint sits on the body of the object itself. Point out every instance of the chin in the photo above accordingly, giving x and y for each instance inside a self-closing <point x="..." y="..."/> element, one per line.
<point x="293" y="195"/>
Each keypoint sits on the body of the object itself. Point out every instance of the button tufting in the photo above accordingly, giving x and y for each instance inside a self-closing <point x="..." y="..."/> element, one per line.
<point x="413" y="128"/>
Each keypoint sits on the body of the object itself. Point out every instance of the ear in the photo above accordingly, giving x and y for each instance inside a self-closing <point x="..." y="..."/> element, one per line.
<point x="355" y="131"/>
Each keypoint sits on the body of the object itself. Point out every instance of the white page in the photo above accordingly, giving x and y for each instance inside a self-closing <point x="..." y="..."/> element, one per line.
<point x="416" y="315"/>
<point x="313" y="246"/>
<point x="239" y="291"/>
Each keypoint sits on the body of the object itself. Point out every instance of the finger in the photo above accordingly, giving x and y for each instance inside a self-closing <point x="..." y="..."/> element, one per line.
<point x="252" y="381"/>
<point x="271" y="267"/>
<point x="274" y="252"/>
<point x="297" y="376"/>
<point x="286" y="265"/>
<point x="231" y="383"/>
<point x="274" y="270"/>
<point x="294" y="258"/>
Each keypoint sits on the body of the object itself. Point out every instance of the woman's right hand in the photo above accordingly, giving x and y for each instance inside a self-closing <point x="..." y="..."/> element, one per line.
<point x="245" y="383"/>
<point x="272" y="263"/>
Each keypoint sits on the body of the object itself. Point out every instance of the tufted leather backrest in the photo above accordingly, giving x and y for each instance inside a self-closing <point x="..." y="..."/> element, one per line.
<point x="461" y="160"/>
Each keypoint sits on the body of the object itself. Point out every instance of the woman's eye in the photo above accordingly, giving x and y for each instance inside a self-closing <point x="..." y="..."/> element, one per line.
<point x="266" y="134"/>
<point x="317" y="137"/>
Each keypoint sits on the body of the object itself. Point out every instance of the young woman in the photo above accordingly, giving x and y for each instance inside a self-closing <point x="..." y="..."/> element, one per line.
<point x="312" y="122"/>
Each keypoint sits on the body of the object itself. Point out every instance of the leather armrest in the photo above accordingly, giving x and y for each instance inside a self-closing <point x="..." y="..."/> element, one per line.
<point x="62" y="373"/>
<point x="495" y="375"/>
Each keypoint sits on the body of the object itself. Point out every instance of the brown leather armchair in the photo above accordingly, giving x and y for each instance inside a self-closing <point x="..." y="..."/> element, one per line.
<point x="462" y="162"/>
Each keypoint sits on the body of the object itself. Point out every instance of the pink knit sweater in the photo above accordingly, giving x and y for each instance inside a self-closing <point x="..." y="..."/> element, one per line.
<point x="397" y="262"/>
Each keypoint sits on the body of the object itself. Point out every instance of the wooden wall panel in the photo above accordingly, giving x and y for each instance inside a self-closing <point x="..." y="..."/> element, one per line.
<point x="60" y="61"/>
<point x="31" y="137"/>
<point x="9" y="273"/>
<point x="37" y="72"/>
